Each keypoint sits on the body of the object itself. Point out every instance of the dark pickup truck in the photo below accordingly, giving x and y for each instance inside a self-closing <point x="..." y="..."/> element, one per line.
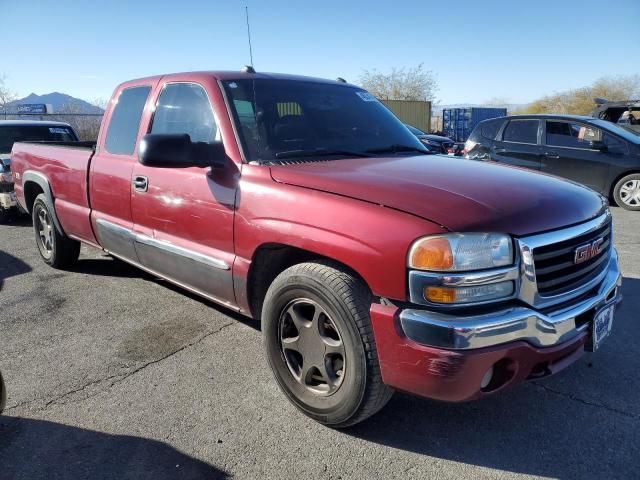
<point x="305" y="204"/>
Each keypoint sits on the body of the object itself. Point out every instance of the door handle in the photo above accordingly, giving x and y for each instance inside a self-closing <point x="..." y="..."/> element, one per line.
<point x="499" y="150"/>
<point x="140" y="183"/>
<point x="551" y="155"/>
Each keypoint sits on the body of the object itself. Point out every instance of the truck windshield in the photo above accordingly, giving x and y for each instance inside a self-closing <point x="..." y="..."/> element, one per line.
<point x="33" y="133"/>
<point x="281" y="119"/>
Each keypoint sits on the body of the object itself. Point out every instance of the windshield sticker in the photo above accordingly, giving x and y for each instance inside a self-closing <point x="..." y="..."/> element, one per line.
<point x="367" y="97"/>
<point x="233" y="85"/>
<point x="62" y="131"/>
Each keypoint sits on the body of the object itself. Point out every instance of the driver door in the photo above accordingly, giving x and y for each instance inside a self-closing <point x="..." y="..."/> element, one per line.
<point x="183" y="217"/>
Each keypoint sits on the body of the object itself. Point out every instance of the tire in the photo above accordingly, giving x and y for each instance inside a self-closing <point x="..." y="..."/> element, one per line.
<point x="5" y="215"/>
<point x="56" y="249"/>
<point x="332" y="305"/>
<point x="627" y="192"/>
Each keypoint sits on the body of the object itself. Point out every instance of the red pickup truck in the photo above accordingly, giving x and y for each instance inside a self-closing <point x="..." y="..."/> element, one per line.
<point x="307" y="205"/>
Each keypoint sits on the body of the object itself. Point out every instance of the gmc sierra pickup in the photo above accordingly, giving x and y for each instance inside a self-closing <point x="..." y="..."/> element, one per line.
<point x="306" y="204"/>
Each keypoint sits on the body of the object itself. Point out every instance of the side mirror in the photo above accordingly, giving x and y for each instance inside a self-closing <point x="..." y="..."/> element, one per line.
<point x="175" y="150"/>
<point x="598" y="145"/>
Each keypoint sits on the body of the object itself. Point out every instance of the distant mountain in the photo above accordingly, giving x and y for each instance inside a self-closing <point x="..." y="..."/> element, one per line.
<point x="61" y="103"/>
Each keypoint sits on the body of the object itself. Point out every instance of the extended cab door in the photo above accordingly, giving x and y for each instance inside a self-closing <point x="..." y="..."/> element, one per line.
<point x="183" y="217"/>
<point x="518" y="144"/>
<point x="567" y="153"/>
<point x="111" y="167"/>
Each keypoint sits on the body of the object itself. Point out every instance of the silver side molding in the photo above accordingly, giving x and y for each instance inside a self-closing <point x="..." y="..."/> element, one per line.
<point x="183" y="252"/>
<point x="121" y="236"/>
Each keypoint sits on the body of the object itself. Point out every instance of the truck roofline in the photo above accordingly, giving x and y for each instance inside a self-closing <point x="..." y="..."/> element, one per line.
<point x="232" y="75"/>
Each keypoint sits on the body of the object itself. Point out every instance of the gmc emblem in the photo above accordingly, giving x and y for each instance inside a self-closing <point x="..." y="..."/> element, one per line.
<point x="590" y="250"/>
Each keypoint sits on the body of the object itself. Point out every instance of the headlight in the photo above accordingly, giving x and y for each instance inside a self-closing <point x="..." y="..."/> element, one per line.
<point x="455" y="252"/>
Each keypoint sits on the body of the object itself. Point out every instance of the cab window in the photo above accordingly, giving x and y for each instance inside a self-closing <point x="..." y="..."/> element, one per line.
<point x="185" y="108"/>
<point x="125" y="121"/>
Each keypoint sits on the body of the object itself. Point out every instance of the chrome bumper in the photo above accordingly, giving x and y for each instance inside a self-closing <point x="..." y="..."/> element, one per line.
<point x="445" y="330"/>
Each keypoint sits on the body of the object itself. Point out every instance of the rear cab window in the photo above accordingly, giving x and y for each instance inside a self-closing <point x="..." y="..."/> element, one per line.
<point x="521" y="131"/>
<point x="9" y="134"/>
<point x="125" y="120"/>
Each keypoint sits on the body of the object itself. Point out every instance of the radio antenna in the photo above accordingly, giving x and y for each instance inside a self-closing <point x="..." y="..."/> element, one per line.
<point x="246" y="11"/>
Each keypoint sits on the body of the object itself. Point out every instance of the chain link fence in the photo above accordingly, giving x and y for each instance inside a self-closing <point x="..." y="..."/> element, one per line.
<point x="87" y="125"/>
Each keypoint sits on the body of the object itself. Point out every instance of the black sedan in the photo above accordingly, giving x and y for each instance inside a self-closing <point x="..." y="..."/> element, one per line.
<point x="587" y="150"/>
<point x="433" y="143"/>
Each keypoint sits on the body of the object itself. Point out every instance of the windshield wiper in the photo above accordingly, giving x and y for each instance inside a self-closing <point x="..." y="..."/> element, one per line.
<point x="319" y="152"/>
<point x="395" y="148"/>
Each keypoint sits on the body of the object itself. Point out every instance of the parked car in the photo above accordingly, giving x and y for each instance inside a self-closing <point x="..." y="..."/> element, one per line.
<point x="371" y="267"/>
<point x="594" y="152"/>
<point x="19" y="131"/>
<point x="433" y="143"/>
<point x="625" y="113"/>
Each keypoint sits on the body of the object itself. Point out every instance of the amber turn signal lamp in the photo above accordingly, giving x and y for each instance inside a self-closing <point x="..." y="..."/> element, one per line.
<point x="432" y="254"/>
<point x="440" y="294"/>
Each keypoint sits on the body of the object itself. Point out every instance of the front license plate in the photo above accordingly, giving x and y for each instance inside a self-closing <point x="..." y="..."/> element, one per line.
<point x="602" y="322"/>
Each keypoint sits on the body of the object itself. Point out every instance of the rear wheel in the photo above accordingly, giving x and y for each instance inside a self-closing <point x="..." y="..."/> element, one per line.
<point x="627" y="192"/>
<point x="56" y="249"/>
<point x="320" y="346"/>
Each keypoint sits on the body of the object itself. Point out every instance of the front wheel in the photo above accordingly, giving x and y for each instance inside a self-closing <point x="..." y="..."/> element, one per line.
<point x="320" y="346"/>
<point x="55" y="248"/>
<point x="627" y="192"/>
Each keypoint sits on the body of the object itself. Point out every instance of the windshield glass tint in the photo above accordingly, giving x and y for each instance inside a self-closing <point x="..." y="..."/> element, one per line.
<point x="276" y="116"/>
<point x="27" y="133"/>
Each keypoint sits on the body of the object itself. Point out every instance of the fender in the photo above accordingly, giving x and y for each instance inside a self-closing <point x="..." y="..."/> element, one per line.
<point x="43" y="183"/>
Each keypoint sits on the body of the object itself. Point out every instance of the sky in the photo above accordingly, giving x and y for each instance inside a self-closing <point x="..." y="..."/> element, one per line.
<point x="478" y="49"/>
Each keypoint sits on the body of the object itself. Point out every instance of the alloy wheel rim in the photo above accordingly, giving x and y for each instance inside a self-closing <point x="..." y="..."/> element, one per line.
<point x="312" y="347"/>
<point x="45" y="231"/>
<point x="630" y="193"/>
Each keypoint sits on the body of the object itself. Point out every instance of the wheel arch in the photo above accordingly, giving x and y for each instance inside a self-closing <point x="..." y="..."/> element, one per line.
<point x="34" y="184"/>
<point x="270" y="259"/>
<point x="612" y="187"/>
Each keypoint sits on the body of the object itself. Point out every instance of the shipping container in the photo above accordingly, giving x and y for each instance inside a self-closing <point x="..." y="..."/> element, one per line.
<point x="414" y="112"/>
<point x="457" y="123"/>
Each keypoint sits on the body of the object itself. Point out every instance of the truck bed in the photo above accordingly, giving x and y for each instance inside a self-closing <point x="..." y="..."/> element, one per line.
<point x="65" y="165"/>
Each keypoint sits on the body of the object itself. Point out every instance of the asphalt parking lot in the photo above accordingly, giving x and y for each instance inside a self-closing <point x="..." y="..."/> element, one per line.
<point x="112" y="373"/>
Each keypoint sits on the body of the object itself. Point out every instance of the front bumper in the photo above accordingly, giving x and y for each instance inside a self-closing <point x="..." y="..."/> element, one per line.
<point x="446" y="357"/>
<point x="512" y="323"/>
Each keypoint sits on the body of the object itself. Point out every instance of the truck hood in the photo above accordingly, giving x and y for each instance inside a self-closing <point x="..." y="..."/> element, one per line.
<point x="461" y="195"/>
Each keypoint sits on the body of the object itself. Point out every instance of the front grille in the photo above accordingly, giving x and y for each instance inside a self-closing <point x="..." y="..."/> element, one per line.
<point x="556" y="271"/>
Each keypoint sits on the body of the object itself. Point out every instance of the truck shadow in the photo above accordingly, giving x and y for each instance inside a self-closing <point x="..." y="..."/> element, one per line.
<point x="112" y="267"/>
<point x="11" y="266"/>
<point x="40" y="449"/>
<point x="582" y="423"/>
<point x="20" y="220"/>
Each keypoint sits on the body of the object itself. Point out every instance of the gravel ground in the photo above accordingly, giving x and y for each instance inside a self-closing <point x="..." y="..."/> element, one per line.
<point x="114" y="374"/>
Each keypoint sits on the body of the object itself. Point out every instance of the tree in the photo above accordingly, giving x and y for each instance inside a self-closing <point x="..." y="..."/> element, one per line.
<point x="580" y="101"/>
<point x="401" y="83"/>
<point x="86" y="125"/>
<point x="6" y="95"/>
